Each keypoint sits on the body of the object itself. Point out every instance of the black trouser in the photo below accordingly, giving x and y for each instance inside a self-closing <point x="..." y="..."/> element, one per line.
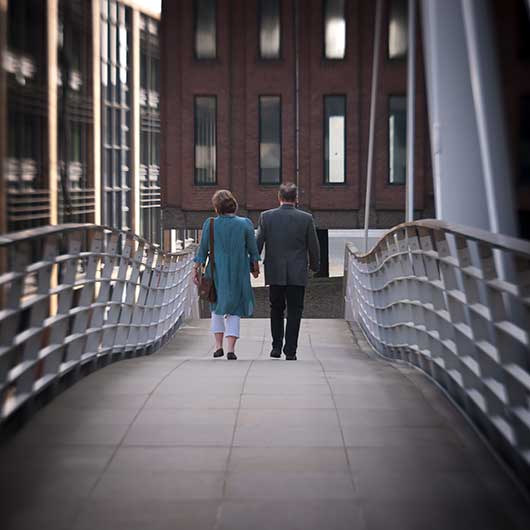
<point x="294" y="296"/>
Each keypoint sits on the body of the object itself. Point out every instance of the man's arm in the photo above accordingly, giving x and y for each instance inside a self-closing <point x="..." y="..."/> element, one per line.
<point x="313" y="246"/>
<point x="260" y="237"/>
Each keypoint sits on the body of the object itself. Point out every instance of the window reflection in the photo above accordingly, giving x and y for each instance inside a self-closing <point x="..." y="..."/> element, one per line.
<point x="24" y="62"/>
<point x="150" y="220"/>
<point x="270" y="148"/>
<point x="205" y="140"/>
<point x="334" y="29"/>
<point x="397" y="29"/>
<point x="76" y="195"/>
<point x="397" y="139"/>
<point x="334" y="139"/>
<point x="205" y="29"/>
<point x="269" y="36"/>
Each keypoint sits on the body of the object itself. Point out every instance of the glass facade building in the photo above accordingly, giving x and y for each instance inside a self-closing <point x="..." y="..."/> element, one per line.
<point x="80" y="93"/>
<point x="150" y="226"/>
<point x="75" y="189"/>
<point x="116" y="114"/>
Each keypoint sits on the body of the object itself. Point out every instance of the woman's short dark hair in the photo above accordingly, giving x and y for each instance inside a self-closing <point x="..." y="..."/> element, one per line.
<point x="224" y="202"/>
<point x="288" y="192"/>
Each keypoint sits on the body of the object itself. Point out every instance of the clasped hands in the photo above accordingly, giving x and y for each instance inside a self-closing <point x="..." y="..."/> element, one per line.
<point x="254" y="269"/>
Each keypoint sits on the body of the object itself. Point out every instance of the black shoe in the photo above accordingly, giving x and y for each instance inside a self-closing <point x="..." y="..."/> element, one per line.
<point x="290" y="357"/>
<point x="276" y="354"/>
<point x="231" y="356"/>
<point x="218" y="353"/>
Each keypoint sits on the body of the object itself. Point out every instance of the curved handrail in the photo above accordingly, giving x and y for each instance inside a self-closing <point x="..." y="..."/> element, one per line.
<point x="500" y="241"/>
<point x="50" y="230"/>
<point x="453" y="301"/>
<point x="74" y="295"/>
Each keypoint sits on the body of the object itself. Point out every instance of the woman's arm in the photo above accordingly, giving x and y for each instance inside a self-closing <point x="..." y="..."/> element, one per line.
<point x="252" y="249"/>
<point x="252" y="246"/>
<point x="202" y="251"/>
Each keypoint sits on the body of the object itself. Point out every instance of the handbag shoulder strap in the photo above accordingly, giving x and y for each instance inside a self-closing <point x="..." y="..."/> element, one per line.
<point x="212" y="252"/>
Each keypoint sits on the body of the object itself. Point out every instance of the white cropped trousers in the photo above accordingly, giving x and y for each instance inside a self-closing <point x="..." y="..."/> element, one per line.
<point x="227" y="324"/>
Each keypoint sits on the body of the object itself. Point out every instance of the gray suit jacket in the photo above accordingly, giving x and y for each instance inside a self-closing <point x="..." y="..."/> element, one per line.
<point x="289" y="236"/>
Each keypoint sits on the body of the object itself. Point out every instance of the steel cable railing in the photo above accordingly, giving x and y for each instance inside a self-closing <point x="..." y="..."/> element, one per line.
<point x="455" y="302"/>
<point x="79" y="293"/>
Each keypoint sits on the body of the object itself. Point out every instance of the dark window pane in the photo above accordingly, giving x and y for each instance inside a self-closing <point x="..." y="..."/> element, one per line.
<point x="270" y="148"/>
<point x="523" y="31"/>
<point x="269" y="31"/>
<point x="205" y="29"/>
<point x="397" y="29"/>
<point x="397" y="139"/>
<point x="334" y="139"/>
<point x="205" y="140"/>
<point x="334" y="29"/>
<point x="524" y="140"/>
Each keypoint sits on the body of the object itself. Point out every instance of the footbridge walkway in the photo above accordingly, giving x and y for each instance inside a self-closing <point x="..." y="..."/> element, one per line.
<point x="351" y="436"/>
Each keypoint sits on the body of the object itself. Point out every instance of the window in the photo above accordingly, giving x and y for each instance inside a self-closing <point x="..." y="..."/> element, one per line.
<point x="524" y="141"/>
<point x="205" y="140"/>
<point x="334" y="139"/>
<point x="398" y="29"/>
<point x="523" y="33"/>
<point x="270" y="140"/>
<point x="269" y="29"/>
<point x="334" y="29"/>
<point x="205" y="29"/>
<point x="116" y="114"/>
<point x="397" y="139"/>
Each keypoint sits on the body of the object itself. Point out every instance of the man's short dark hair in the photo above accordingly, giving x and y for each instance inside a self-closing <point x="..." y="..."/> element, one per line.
<point x="288" y="192"/>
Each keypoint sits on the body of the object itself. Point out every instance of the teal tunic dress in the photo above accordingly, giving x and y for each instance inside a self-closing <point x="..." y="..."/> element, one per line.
<point x="235" y="249"/>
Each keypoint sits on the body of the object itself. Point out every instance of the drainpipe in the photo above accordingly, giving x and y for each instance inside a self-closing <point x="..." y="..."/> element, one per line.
<point x="375" y="72"/>
<point x="296" y="92"/>
<point x="411" y="106"/>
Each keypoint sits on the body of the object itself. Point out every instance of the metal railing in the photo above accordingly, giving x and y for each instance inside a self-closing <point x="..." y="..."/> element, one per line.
<point x="455" y="302"/>
<point x="79" y="293"/>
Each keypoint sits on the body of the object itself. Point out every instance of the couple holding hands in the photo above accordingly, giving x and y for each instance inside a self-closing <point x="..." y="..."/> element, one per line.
<point x="291" y="245"/>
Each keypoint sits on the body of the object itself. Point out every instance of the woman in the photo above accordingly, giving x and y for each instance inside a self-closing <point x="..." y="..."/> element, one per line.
<point x="235" y="256"/>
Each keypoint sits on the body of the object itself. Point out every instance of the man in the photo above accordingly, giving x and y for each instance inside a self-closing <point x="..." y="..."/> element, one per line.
<point x="289" y="236"/>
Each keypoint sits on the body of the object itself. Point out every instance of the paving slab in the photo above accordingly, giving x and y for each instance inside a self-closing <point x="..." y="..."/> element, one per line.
<point x="337" y="440"/>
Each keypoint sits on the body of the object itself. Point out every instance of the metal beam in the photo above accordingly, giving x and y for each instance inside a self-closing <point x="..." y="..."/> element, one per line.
<point x="52" y="19"/>
<point x="96" y="110"/>
<point x="457" y="167"/>
<point x="373" y="100"/>
<point x="411" y="107"/>
<point x="135" y="118"/>
<point x="3" y="122"/>
<point x="489" y="112"/>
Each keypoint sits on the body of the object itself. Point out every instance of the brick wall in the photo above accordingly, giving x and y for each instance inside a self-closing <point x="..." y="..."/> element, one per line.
<point x="238" y="76"/>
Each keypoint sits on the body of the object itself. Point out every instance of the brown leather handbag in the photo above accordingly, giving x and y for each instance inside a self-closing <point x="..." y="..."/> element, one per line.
<point x="207" y="290"/>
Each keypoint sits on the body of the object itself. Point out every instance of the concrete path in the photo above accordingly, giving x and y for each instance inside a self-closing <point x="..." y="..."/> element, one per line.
<point x="336" y="440"/>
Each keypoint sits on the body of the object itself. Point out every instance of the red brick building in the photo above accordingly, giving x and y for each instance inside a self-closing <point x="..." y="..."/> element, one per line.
<point x="237" y="73"/>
